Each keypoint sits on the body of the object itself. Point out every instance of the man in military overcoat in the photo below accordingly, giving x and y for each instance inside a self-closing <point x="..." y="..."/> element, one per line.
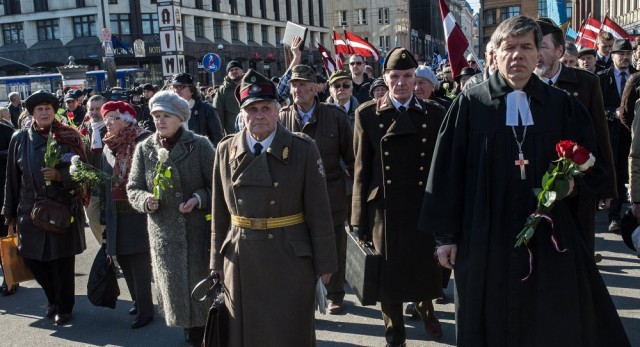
<point x="272" y="232"/>
<point x="395" y="138"/>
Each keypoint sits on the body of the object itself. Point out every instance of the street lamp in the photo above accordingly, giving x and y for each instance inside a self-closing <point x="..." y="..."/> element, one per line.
<point x="213" y="74"/>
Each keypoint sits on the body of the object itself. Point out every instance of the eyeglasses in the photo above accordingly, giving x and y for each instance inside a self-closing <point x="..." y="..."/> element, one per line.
<point x="471" y="61"/>
<point x="178" y="87"/>
<point x="344" y="85"/>
<point x="112" y="119"/>
<point x="355" y="63"/>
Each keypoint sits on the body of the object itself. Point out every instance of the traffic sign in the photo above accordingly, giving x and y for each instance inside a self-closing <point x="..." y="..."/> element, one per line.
<point x="211" y="62"/>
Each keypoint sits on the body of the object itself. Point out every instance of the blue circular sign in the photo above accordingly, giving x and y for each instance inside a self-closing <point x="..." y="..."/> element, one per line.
<point x="211" y="62"/>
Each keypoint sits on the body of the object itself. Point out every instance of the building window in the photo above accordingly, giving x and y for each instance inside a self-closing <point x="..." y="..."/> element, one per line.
<point x="342" y="17"/>
<point x="234" y="6"/>
<point x="199" y="4"/>
<point x="80" y="3"/>
<point x="320" y="13"/>
<point x="263" y="8"/>
<point x="12" y="33"/>
<point x="248" y="8"/>
<point x="250" y="37"/>
<point x="569" y="9"/>
<point x="278" y="36"/>
<point x="384" y="43"/>
<point x="40" y="5"/>
<point x="215" y="4"/>
<point x="311" y="19"/>
<point x="264" y="31"/>
<point x="288" y="8"/>
<point x="542" y="8"/>
<point x="276" y="9"/>
<point x="84" y="26"/>
<point x="113" y="2"/>
<point x="198" y="25"/>
<point x="362" y="16"/>
<point x="490" y="17"/>
<point x="48" y="29"/>
<point x="235" y="34"/>
<point x="120" y="24"/>
<point x="217" y="29"/>
<point x="508" y="12"/>
<point x="300" y="12"/>
<point x="150" y="23"/>
<point x="383" y="15"/>
<point x="11" y="7"/>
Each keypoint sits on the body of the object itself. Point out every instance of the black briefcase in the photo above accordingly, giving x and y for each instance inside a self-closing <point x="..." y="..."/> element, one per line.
<point x="362" y="270"/>
<point x="216" y="328"/>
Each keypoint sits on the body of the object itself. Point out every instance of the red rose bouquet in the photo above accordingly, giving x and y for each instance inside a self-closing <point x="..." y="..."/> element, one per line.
<point x="574" y="160"/>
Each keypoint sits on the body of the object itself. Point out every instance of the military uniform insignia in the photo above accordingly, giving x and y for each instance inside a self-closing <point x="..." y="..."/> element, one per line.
<point x="253" y="79"/>
<point x="321" y="168"/>
<point x="285" y="153"/>
<point x="404" y="55"/>
<point x="232" y="153"/>
<point x="255" y="89"/>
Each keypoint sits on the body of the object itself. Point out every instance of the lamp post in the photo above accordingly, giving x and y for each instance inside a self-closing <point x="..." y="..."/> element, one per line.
<point x="213" y="74"/>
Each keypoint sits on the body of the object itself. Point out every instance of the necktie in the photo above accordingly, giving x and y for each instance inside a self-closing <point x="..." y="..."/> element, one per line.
<point x="623" y="81"/>
<point x="550" y="82"/>
<point x="257" y="149"/>
<point x="402" y="108"/>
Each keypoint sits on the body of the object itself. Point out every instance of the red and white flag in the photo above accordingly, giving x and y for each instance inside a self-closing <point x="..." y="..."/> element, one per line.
<point x="361" y="46"/>
<point x="340" y="61"/>
<point x="457" y="43"/>
<point x="340" y="45"/>
<point x="328" y="62"/>
<point x="613" y="27"/>
<point x="588" y="34"/>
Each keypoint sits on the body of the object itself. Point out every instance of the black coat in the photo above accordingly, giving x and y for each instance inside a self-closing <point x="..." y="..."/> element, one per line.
<point x="476" y="199"/>
<point x="204" y="121"/>
<point x="24" y="181"/>
<point x="393" y="152"/>
<point x="15" y="114"/>
<point x="6" y="131"/>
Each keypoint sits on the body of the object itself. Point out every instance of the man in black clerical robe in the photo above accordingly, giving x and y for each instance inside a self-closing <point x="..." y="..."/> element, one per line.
<point x="477" y="201"/>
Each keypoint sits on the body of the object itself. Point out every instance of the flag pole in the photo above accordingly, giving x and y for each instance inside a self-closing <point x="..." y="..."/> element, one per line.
<point x="480" y="64"/>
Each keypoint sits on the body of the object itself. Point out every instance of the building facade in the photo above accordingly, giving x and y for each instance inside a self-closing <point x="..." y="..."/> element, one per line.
<point x="624" y="12"/>
<point x="42" y="34"/>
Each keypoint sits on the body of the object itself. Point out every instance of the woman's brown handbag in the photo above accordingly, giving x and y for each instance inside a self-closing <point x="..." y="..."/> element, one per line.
<point x="13" y="266"/>
<point x="51" y="216"/>
<point x="216" y="328"/>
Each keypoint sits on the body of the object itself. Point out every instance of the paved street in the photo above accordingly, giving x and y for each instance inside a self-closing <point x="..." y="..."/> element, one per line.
<point x="22" y="322"/>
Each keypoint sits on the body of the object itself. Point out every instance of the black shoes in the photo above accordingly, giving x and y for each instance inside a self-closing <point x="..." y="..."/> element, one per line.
<point x="62" y="318"/>
<point x="614" y="226"/>
<point x="134" y="309"/>
<point x="139" y="323"/>
<point x="6" y="291"/>
<point x="412" y="311"/>
<point x="50" y="312"/>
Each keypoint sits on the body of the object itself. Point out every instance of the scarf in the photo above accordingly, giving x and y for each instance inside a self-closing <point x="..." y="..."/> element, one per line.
<point x="96" y="140"/>
<point x="169" y="142"/>
<point x="64" y="134"/>
<point x="122" y="145"/>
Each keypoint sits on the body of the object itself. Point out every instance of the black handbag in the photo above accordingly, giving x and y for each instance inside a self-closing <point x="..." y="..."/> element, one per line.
<point x="217" y="326"/>
<point x="362" y="269"/>
<point x="102" y="286"/>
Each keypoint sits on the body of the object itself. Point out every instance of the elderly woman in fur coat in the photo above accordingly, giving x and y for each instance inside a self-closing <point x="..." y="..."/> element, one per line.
<point x="177" y="206"/>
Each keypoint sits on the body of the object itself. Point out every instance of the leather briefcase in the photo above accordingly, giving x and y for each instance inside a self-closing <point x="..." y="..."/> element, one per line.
<point x="362" y="269"/>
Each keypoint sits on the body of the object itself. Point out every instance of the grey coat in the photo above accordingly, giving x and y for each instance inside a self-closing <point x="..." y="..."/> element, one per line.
<point x="179" y="242"/>
<point x="126" y="227"/>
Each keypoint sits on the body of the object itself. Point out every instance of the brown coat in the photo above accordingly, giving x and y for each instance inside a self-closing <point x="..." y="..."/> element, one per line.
<point x="330" y="129"/>
<point x="270" y="274"/>
<point x="392" y="165"/>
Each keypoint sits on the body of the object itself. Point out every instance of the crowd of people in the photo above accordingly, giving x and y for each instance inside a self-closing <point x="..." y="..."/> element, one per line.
<point x="259" y="180"/>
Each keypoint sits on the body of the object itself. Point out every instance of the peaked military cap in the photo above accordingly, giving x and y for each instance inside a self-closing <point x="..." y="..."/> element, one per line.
<point x="339" y="75"/>
<point x="254" y="87"/>
<point x="400" y="58"/>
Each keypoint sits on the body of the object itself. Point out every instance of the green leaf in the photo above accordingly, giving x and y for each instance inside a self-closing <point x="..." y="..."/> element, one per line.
<point x="167" y="173"/>
<point x="545" y="179"/>
<point x="549" y="198"/>
<point x="537" y="191"/>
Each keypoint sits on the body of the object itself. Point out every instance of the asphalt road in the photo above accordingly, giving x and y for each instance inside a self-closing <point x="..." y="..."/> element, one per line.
<point x="22" y="322"/>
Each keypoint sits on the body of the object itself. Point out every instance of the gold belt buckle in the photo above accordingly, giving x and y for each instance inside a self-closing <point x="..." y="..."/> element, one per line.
<point x="258" y="223"/>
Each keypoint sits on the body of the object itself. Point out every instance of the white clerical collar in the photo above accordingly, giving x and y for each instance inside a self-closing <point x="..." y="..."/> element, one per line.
<point x="518" y="105"/>
<point x="265" y="143"/>
<point x="397" y="103"/>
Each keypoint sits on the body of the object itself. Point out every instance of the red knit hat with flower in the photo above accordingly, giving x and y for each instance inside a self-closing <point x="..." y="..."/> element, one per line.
<point x="126" y="111"/>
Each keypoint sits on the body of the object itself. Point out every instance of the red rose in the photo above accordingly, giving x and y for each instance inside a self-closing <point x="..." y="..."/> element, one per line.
<point x="580" y="155"/>
<point x="70" y="115"/>
<point x="86" y="119"/>
<point x="84" y="132"/>
<point x="565" y="148"/>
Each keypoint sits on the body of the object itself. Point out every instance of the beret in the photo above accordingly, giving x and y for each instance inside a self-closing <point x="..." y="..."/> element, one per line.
<point x="426" y="73"/>
<point x="126" y="111"/>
